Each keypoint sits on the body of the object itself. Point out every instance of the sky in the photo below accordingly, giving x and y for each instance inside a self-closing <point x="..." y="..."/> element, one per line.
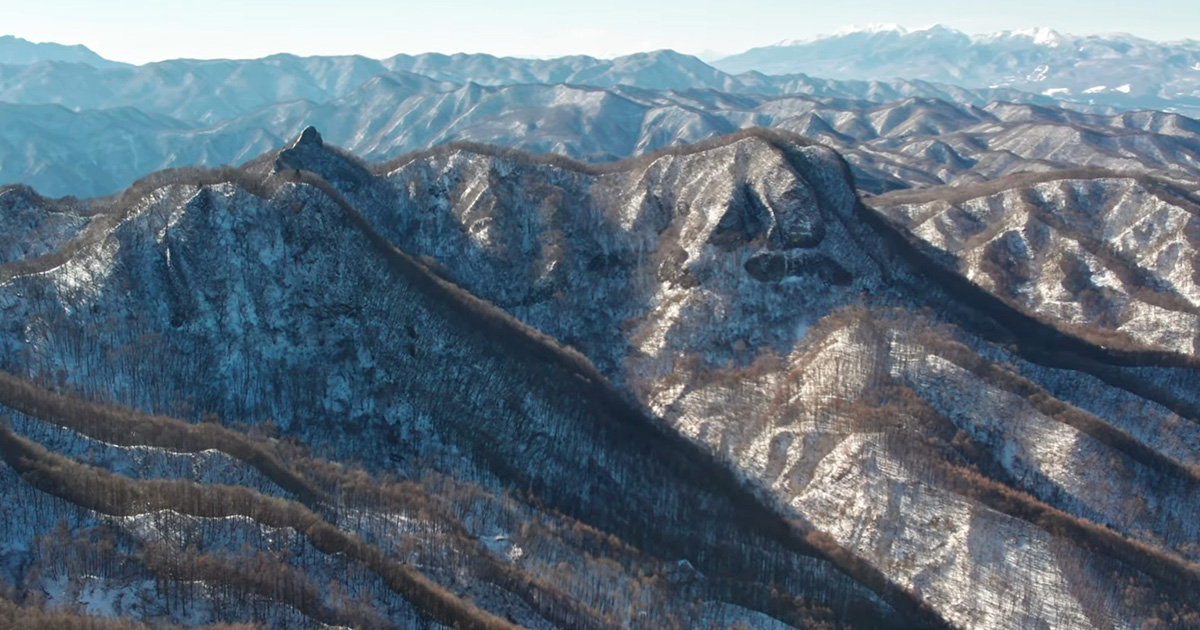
<point x="138" y="31"/>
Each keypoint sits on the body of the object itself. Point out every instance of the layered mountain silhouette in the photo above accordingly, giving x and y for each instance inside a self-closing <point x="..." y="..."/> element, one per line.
<point x="1114" y="69"/>
<point x="703" y="387"/>
<point x="18" y="51"/>
<point x="78" y="129"/>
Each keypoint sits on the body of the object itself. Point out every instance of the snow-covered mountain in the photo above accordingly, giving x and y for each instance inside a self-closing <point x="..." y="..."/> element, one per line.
<point x="471" y="386"/>
<point x="1118" y="69"/>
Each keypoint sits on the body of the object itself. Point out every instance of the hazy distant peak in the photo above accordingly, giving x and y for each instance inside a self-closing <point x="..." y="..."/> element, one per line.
<point x="873" y="29"/>
<point x="1039" y="35"/>
<point x="1115" y="69"/>
<point x="20" y="52"/>
<point x="665" y="54"/>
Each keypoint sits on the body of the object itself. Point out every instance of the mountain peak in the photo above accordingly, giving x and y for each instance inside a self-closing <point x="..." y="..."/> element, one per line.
<point x="310" y="135"/>
<point x="310" y="153"/>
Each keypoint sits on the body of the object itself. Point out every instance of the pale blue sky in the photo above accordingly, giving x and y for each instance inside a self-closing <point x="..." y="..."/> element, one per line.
<point x="146" y="30"/>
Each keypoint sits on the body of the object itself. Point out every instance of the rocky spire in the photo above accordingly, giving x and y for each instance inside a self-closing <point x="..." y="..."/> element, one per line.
<point x="310" y="136"/>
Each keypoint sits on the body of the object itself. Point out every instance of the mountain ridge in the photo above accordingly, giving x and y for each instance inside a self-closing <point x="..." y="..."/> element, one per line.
<point x="15" y="50"/>
<point x="712" y="264"/>
<point x="99" y="152"/>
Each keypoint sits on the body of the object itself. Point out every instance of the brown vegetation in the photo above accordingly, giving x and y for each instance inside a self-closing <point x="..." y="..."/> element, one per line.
<point x="247" y="576"/>
<point x="106" y="493"/>
<point x="16" y="617"/>
<point x="126" y="427"/>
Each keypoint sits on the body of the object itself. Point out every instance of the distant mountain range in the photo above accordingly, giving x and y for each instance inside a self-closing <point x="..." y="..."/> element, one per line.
<point x="909" y="142"/>
<point x="208" y="91"/>
<point x="76" y="129"/>
<point x="92" y="128"/>
<point x="1119" y="70"/>
<point x="14" y="50"/>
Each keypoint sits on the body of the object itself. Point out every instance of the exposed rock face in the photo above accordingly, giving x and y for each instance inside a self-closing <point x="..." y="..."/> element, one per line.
<point x="776" y="408"/>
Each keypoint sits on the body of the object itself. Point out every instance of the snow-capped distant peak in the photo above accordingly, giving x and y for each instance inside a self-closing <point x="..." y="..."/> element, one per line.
<point x="871" y="29"/>
<point x="1040" y="36"/>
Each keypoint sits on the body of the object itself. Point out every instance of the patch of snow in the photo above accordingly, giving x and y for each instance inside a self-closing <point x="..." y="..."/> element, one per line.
<point x="1127" y="88"/>
<point x="55" y="589"/>
<point x="1096" y="89"/>
<point x="871" y="29"/>
<point x="1056" y="91"/>
<point x="502" y="545"/>
<point x="103" y="600"/>
<point x="1040" y="36"/>
<point x="1039" y="73"/>
<point x="725" y="615"/>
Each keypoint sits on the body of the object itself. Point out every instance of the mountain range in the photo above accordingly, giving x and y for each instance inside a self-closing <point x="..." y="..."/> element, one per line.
<point x="18" y="51"/>
<point x="72" y="129"/>
<point x="591" y="344"/>
<point x="790" y="410"/>
<point x="1118" y="70"/>
<point x="911" y="142"/>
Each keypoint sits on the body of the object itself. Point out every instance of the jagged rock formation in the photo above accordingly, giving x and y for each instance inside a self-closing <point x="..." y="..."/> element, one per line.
<point x="702" y="387"/>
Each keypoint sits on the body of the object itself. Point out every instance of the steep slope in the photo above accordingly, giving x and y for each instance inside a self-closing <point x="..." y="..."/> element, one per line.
<point x="775" y="348"/>
<point x="780" y="405"/>
<point x="707" y="349"/>
<point x="275" y="322"/>
<point x="1105" y="251"/>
